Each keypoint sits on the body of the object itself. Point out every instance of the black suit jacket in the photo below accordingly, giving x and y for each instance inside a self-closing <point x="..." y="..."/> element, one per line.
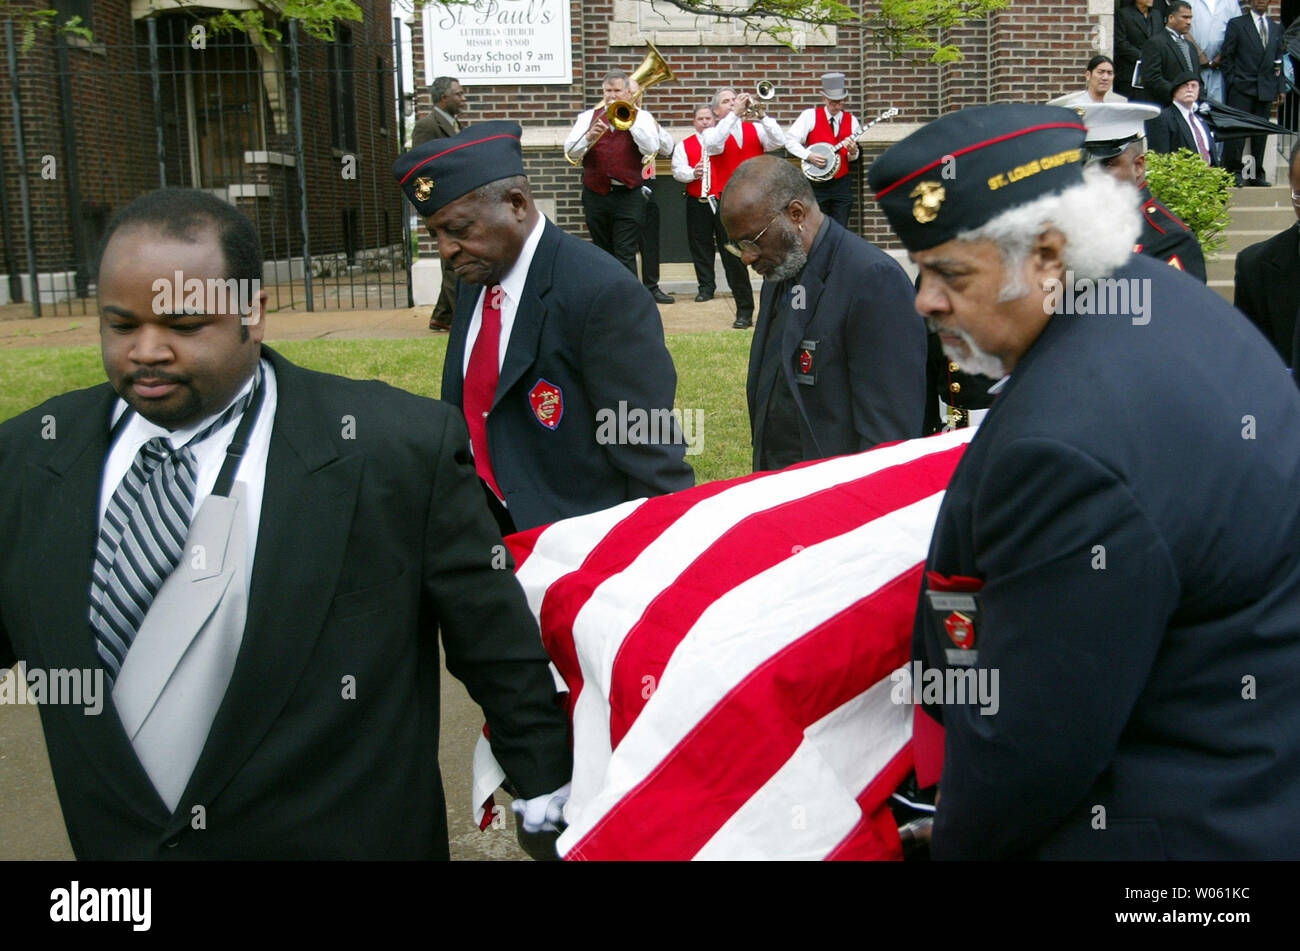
<point x="1266" y="288"/>
<point x="1247" y="63"/>
<point x="1161" y="65"/>
<point x="587" y="328"/>
<point x="1132" y="30"/>
<point x="1169" y="132"/>
<point x="1124" y="590"/>
<point x="863" y="379"/>
<point x="366" y="547"/>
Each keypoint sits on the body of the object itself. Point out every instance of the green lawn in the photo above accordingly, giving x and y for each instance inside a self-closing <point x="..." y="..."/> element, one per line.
<point x="710" y="379"/>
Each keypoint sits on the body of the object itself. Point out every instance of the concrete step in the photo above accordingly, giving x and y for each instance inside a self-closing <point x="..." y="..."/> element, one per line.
<point x="1235" y="240"/>
<point x="1261" y="197"/>
<point x="1261" y="219"/>
<point x="1221" y="267"/>
<point x="1223" y="289"/>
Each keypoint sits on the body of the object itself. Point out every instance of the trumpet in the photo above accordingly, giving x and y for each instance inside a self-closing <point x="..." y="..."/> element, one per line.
<point x="765" y="90"/>
<point x="621" y="114"/>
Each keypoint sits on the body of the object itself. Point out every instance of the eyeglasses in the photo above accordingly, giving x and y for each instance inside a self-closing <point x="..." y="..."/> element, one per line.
<point x="741" y="248"/>
<point x="1295" y="199"/>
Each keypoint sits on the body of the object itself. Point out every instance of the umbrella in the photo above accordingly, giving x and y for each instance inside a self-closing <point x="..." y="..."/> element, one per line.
<point x="1230" y="123"/>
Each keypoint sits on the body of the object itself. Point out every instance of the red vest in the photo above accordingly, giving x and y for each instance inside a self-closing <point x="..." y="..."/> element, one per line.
<point x="614" y="156"/>
<point x="723" y="165"/>
<point x="694" y="149"/>
<point x="821" y="132"/>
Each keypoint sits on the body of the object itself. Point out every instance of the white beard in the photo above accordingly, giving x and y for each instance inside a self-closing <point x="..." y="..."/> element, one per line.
<point x="975" y="361"/>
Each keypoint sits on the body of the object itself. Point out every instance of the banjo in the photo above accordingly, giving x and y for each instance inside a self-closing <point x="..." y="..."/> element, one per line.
<point x="832" y="152"/>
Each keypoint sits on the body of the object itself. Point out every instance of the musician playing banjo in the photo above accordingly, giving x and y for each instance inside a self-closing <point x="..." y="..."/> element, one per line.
<point x="829" y="124"/>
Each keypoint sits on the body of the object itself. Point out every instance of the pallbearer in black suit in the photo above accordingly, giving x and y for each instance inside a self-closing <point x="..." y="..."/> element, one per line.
<point x="556" y="352"/>
<point x="1115" y="142"/>
<point x="259" y="559"/>
<point x="837" y="363"/>
<point x="1109" y="627"/>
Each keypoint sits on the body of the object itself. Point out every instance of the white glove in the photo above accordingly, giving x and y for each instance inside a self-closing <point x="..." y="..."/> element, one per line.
<point x="542" y="813"/>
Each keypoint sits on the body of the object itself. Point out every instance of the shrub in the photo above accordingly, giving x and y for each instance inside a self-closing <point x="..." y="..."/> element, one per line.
<point x="1194" y="192"/>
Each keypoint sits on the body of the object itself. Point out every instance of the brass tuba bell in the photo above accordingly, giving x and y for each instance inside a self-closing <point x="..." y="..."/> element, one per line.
<point x="653" y="70"/>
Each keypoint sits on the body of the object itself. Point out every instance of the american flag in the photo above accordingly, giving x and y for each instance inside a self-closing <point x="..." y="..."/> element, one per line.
<point x="728" y="653"/>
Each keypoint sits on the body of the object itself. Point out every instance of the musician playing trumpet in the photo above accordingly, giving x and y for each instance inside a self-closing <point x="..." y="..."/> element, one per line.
<point x="611" y="171"/>
<point x="831" y="124"/>
<point x="739" y="137"/>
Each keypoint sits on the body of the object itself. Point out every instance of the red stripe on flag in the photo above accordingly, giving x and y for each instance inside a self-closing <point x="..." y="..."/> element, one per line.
<point x="876" y="836"/>
<point x="749" y="548"/>
<point x="739" y="744"/>
<point x="522" y="544"/>
<point x="619" y="548"/>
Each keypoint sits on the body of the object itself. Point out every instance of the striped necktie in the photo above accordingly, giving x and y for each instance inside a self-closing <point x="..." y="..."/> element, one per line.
<point x="142" y="535"/>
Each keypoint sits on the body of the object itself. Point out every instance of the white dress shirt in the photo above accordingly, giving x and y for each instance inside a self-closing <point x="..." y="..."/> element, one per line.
<point x="209" y="456"/>
<point x="513" y="287"/>
<point x="645" y="133"/>
<point x="683" y="170"/>
<point x="1194" y="121"/>
<point x="796" y="137"/>
<point x="770" y="135"/>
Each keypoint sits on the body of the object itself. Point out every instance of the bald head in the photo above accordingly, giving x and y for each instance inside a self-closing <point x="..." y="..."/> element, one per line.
<point x="769" y="211"/>
<point x="770" y="184"/>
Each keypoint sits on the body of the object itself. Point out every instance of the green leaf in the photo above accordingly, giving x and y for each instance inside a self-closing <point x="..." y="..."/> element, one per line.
<point x="1192" y="190"/>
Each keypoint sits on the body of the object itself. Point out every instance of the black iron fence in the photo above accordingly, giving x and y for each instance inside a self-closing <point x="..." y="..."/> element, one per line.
<point x="301" y="136"/>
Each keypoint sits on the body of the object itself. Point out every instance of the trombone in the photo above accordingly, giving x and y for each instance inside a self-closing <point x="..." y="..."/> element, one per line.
<point x="621" y="114"/>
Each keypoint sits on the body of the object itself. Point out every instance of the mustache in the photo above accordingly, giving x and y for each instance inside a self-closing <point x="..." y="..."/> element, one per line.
<point x="156" y="376"/>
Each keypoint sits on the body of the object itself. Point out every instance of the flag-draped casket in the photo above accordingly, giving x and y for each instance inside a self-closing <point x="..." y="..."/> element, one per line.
<point x="735" y="658"/>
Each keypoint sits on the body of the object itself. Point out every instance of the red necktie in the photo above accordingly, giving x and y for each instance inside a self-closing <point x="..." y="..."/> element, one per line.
<point x="481" y="384"/>
<point x="1200" y="140"/>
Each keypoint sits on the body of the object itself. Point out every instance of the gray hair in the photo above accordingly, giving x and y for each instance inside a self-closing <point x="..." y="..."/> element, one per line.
<point x="716" y="104"/>
<point x="614" y="74"/>
<point x="500" y="189"/>
<point x="440" y="87"/>
<point x="779" y="183"/>
<point x="1099" y="219"/>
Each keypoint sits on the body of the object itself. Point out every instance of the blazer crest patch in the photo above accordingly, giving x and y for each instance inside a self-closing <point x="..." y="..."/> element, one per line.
<point x="547" y="401"/>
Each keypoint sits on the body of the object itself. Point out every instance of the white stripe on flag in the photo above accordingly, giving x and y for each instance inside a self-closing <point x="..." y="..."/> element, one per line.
<point x="807" y="808"/>
<point x="564" y="546"/>
<point x="603" y="623"/>
<point x="739" y="631"/>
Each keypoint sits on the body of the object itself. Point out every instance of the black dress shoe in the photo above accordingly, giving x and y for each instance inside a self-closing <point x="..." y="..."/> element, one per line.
<point x="701" y="297"/>
<point x="742" y="323"/>
<point x="1258" y="182"/>
<point x="660" y="297"/>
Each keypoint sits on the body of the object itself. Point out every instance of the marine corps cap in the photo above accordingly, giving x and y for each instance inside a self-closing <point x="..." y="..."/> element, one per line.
<point x="439" y="171"/>
<point x="1114" y="126"/>
<point x="964" y="169"/>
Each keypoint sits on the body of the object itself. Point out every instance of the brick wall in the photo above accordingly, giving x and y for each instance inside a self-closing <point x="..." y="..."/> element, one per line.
<point x="113" y="128"/>
<point x="1030" y="51"/>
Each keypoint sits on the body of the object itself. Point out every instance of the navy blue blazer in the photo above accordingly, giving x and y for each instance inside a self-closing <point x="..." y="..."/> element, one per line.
<point x="853" y="356"/>
<point x="1127" y="518"/>
<point x="587" y="340"/>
